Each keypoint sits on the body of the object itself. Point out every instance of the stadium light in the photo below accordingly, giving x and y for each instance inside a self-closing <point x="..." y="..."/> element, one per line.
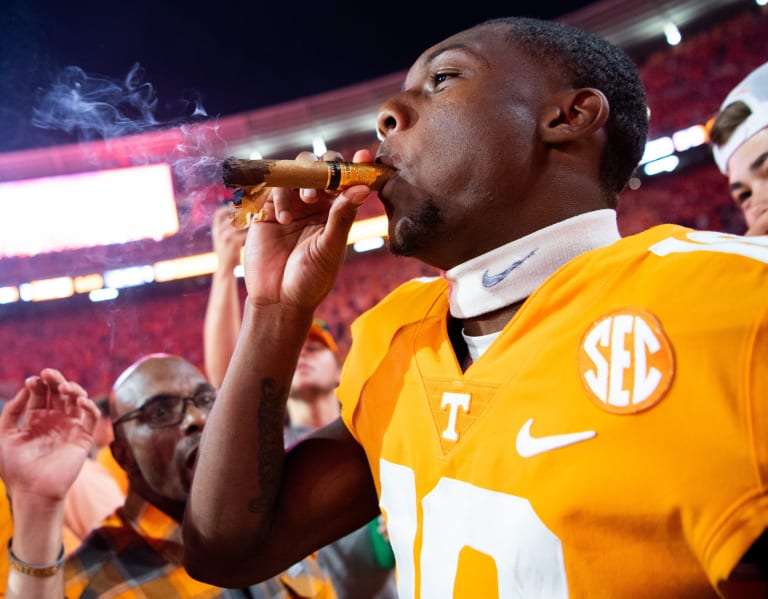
<point x="663" y="165"/>
<point x="318" y="146"/>
<point x="672" y="33"/>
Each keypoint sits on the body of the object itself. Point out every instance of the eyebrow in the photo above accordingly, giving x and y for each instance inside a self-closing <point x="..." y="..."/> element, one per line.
<point x="457" y="46"/>
<point x="756" y="164"/>
<point x="205" y="386"/>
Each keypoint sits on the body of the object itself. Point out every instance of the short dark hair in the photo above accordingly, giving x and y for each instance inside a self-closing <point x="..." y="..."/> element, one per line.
<point x="589" y="61"/>
<point x="727" y="121"/>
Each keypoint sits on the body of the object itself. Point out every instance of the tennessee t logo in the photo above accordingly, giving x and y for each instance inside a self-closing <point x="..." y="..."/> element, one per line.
<point x="455" y="401"/>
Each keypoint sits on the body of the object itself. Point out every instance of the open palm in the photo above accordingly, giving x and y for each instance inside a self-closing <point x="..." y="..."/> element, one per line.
<point x="45" y="436"/>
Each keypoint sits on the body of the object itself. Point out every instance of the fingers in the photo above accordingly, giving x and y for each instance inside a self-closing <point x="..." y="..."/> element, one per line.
<point x="38" y="393"/>
<point x="343" y="214"/>
<point x="284" y="200"/>
<point x="363" y="156"/>
<point x="51" y="390"/>
<point x="233" y="235"/>
<point x="89" y="411"/>
<point x="13" y="410"/>
<point x="53" y="378"/>
<point x="222" y="214"/>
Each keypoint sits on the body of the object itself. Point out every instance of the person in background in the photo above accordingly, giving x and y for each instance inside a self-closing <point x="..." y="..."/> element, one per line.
<point x="102" y="433"/>
<point x="159" y="406"/>
<point x="93" y="496"/>
<point x="95" y="493"/>
<point x="562" y="413"/>
<point x="360" y="563"/>
<point x="45" y="437"/>
<point x="739" y="139"/>
<point x="6" y="520"/>
<point x="222" y="315"/>
<point x="6" y="532"/>
<point x="312" y="400"/>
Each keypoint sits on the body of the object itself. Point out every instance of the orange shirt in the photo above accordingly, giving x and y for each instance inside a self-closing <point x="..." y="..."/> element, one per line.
<point x="6" y="532"/>
<point x="611" y="442"/>
<point x="92" y="497"/>
<point x="106" y="459"/>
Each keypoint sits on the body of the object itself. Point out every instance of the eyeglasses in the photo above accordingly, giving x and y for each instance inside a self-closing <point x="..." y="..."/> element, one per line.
<point x="168" y="410"/>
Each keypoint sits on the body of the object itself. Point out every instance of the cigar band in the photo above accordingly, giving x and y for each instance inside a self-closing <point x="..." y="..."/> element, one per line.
<point x="344" y="174"/>
<point x="334" y="175"/>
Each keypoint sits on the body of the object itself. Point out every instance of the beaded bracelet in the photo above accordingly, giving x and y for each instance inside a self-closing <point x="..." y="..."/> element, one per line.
<point x="32" y="570"/>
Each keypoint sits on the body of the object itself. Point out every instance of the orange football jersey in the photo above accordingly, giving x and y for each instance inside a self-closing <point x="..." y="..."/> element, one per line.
<point x="611" y="442"/>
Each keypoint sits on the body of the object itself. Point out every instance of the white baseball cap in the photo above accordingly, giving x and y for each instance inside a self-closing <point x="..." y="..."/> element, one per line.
<point x="753" y="91"/>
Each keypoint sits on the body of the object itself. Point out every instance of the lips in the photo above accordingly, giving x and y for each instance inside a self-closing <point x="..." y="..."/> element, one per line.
<point x="191" y="459"/>
<point x="386" y="160"/>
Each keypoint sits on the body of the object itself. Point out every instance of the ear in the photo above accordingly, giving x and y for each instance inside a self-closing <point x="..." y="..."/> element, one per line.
<point x="573" y="115"/>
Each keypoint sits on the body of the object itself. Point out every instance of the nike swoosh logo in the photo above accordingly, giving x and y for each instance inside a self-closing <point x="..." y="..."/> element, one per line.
<point x="490" y="280"/>
<point x="529" y="446"/>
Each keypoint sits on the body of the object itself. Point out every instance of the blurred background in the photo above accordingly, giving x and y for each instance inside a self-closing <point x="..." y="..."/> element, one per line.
<point x="115" y="117"/>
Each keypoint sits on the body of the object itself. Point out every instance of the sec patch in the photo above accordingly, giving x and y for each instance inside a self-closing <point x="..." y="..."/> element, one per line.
<point x="625" y="361"/>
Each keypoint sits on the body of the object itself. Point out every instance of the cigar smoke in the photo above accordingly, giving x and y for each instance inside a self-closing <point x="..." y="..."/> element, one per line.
<point x="95" y="107"/>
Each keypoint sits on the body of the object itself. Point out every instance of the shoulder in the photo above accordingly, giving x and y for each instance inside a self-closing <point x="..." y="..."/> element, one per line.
<point x="112" y="548"/>
<point x="676" y="255"/>
<point x="107" y="542"/>
<point x="403" y="305"/>
<point x="373" y="331"/>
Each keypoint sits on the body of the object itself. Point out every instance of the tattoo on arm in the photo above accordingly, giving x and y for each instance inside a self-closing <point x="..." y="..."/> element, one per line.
<point x="270" y="430"/>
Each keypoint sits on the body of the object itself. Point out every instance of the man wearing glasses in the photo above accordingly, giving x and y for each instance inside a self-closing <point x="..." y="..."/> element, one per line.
<point x="159" y="406"/>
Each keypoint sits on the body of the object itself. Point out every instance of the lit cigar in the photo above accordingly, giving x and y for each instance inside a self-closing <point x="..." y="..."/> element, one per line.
<point x="254" y="178"/>
<point x="299" y="174"/>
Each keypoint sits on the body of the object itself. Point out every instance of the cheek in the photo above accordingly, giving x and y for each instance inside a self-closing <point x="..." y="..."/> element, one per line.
<point x="155" y="459"/>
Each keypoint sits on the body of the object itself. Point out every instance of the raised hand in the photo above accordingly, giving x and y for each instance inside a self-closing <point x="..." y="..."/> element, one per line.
<point x="45" y="436"/>
<point x="293" y="256"/>
<point x="228" y="240"/>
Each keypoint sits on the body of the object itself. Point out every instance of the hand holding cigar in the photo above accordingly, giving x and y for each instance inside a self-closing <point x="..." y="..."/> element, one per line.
<point x="255" y="177"/>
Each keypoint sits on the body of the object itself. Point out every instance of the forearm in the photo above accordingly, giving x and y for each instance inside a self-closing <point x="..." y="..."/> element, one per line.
<point x="37" y="541"/>
<point x="221" y="325"/>
<point x="240" y="462"/>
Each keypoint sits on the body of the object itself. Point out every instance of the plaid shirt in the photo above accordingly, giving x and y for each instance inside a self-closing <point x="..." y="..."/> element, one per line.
<point x="142" y="559"/>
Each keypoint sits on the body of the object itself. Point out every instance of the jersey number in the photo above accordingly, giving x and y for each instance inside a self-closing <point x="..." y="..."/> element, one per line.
<point x="711" y="241"/>
<point x="454" y="515"/>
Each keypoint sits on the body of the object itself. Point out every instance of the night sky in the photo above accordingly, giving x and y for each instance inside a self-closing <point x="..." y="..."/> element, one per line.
<point x="219" y="57"/>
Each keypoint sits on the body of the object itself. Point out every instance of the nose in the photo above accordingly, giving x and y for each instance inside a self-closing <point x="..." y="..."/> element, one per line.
<point x="760" y="192"/>
<point x="194" y="419"/>
<point x="394" y="116"/>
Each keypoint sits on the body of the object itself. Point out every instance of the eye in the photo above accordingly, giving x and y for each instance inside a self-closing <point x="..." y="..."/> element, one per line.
<point x="742" y="196"/>
<point x="159" y="408"/>
<point x="439" y="78"/>
<point x="206" y="399"/>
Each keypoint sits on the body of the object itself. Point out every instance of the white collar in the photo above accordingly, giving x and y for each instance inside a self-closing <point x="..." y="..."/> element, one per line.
<point x="512" y="272"/>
